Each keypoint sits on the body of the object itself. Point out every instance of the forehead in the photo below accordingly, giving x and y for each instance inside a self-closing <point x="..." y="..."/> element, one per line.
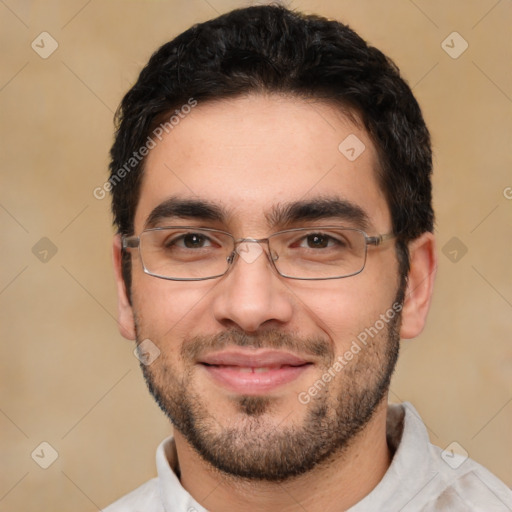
<point x="249" y="156"/>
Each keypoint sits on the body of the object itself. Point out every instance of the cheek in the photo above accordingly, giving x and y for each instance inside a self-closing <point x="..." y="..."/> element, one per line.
<point x="167" y="309"/>
<point x="346" y="308"/>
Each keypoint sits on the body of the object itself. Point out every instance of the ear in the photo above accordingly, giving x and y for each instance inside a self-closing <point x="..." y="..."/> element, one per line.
<point x="125" y="318"/>
<point x="420" y="284"/>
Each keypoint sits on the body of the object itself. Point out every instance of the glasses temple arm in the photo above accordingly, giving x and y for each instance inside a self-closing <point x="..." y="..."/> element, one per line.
<point x="379" y="239"/>
<point x="130" y="242"/>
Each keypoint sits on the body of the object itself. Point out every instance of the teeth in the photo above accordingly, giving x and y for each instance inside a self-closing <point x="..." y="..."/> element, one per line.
<point x="250" y="369"/>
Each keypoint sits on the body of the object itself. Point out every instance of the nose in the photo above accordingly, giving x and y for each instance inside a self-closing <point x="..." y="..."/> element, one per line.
<point x="252" y="295"/>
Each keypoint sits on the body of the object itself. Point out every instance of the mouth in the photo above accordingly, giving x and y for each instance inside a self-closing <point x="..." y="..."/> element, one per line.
<point x="253" y="372"/>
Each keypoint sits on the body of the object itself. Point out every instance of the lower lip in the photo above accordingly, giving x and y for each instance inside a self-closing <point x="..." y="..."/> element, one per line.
<point x="254" y="383"/>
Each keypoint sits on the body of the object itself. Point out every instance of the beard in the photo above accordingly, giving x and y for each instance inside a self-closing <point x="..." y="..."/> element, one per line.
<point x="254" y="445"/>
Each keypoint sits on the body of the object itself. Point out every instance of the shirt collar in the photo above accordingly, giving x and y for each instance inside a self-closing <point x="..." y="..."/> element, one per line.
<point x="174" y="497"/>
<point x="411" y="466"/>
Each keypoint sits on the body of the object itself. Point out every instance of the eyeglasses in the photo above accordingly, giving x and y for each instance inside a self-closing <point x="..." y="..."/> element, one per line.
<point x="185" y="253"/>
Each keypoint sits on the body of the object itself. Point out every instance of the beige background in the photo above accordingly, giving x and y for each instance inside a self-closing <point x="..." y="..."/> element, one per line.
<point x="67" y="376"/>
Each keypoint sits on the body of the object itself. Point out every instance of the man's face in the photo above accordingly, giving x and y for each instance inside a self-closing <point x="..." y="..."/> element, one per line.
<point x="251" y="158"/>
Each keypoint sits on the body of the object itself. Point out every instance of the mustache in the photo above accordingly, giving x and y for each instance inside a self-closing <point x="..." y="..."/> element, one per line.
<point x="320" y="348"/>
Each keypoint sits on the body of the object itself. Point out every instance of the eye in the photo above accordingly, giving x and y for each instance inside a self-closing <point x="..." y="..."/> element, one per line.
<point x="188" y="241"/>
<point x="320" y="241"/>
<point x="317" y="241"/>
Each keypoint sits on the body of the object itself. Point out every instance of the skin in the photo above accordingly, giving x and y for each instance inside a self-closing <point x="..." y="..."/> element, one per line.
<point x="248" y="155"/>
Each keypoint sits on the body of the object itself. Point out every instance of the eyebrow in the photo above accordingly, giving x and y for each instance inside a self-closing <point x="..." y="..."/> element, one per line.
<point x="280" y="215"/>
<point x="317" y="209"/>
<point x="186" y="209"/>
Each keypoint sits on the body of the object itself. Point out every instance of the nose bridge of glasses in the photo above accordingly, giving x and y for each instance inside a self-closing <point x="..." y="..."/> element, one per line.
<point x="249" y="249"/>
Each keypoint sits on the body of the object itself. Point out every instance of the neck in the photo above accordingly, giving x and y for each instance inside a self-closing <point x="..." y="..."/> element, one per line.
<point x="334" y="485"/>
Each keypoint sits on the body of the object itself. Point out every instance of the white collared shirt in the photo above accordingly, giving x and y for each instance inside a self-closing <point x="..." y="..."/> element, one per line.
<point x="420" y="478"/>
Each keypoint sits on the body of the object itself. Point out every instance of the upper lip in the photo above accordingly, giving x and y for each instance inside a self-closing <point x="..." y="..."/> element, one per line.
<point x="253" y="359"/>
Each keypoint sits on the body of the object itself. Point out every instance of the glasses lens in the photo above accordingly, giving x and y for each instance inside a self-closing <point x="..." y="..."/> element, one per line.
<point x="185" y="253"/>
<point x="319" y="253"/>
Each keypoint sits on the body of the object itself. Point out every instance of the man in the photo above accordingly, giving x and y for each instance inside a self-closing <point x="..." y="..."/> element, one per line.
<point x="271" y="189"/>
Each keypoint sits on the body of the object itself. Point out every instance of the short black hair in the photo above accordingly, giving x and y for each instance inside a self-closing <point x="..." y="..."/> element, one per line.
<point x="271" y="49"/>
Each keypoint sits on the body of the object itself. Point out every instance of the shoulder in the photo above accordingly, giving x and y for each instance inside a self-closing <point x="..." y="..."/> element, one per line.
<point x="145" y="498"/>
<point x="464" y="484"/>
<point x="439" y="480"/>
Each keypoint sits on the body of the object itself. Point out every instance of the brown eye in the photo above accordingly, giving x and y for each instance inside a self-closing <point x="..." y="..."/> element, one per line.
<point x="188" y="241"/>
<point x="194" y="241"/>
<point x="317" y="241"/>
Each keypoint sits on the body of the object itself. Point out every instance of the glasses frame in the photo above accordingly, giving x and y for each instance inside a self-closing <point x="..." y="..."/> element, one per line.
<point x="133" y="242"/>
